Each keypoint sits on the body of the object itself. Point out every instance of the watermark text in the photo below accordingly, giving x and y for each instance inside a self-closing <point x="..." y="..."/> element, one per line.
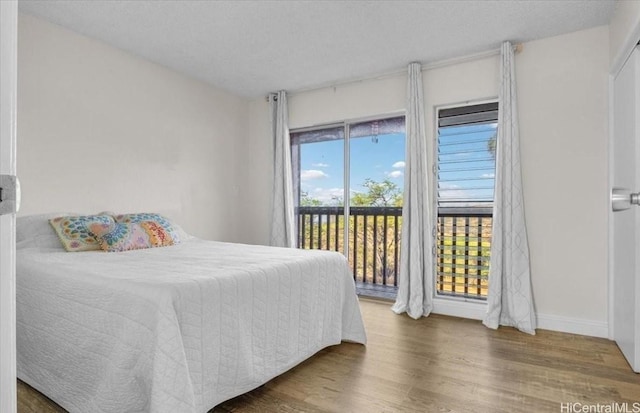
<point x="612" y="407"/>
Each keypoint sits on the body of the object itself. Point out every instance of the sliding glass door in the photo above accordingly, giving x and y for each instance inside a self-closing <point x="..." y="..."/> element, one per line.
<point x="353" y="170"/>
<point x="318" y="186"/>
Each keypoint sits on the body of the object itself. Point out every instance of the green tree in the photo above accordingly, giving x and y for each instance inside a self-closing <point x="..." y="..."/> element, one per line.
<point x="306" y="200"/>
<point x="385" y="193"/>
<point x="380" y="249"/>
<point x="491" y="144"/>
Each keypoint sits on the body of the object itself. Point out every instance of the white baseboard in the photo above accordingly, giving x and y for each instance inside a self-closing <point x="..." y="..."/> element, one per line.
<point x="477" y="310"/>
<point x="458" y="308"/>
<point x="573" y="325"/>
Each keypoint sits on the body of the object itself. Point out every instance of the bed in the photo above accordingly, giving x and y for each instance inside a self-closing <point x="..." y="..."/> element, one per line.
<point x="173" y="329"/>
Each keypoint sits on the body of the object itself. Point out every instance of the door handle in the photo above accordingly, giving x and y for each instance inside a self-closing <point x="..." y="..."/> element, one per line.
<point x="622" y="199"/>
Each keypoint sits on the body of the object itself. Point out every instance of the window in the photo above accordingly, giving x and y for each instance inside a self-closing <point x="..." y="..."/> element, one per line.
<point x="466" y="166"/>
<point x="353" y="169"/>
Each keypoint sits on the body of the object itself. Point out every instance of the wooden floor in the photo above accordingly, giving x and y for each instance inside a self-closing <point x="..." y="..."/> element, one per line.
<point x="437" y="364"/>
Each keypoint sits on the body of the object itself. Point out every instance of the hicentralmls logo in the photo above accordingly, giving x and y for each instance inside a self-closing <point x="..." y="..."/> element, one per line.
<point x="612" y="407"/>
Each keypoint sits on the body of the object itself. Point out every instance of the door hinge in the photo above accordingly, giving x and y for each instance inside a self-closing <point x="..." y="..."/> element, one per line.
<point x="9" y="194"/>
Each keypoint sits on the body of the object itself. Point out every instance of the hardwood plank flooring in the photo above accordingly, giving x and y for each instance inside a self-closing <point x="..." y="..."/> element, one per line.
<point x="436" y="364"/>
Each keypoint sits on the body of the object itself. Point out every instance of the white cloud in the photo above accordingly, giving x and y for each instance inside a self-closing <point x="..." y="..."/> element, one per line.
<point x="308" y="174"/>
<point x="320" y="165"/>
<point x="327" y="195"/>
<point x="395" y="174"/>
<point x="449" y="190"/>
<point x="488" y="176"/>
<point x="398" y="165"/>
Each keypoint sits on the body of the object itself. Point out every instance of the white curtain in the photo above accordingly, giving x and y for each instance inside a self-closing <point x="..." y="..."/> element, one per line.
<point x="282" y="213"/>
<point x="415" y="292"/>
<point x="510" y="301"/>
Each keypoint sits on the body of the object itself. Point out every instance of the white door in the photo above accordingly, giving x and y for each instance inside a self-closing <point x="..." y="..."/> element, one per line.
<point x="8" y="68"/>
<point x="626" y="223"/>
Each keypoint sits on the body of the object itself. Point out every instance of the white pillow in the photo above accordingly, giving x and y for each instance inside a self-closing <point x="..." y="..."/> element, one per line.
<point x="34" y="231"/>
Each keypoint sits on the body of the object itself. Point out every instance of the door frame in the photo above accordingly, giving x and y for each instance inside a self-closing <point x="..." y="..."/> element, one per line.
<point x="617" y="64"/>
<point x="346" y="125"/>
<point x="8" y="108"/>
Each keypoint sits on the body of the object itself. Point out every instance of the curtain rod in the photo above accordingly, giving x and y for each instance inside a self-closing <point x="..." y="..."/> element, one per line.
<point x="517" y="48"/>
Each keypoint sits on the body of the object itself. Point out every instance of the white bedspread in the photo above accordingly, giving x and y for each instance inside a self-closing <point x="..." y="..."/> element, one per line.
<point x="175" y="329"/>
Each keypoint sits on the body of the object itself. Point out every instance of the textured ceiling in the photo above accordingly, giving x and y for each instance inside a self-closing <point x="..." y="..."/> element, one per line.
<point x="254" y="47"/>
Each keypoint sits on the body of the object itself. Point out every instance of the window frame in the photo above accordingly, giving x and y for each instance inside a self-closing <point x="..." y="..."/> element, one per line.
<point x="346" y="125"/>
<point x="452" y="303"/>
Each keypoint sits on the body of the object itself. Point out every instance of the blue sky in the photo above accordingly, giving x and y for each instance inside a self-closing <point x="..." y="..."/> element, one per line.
<point x="466" y="147"/>
<point x="461" y="147"/>
<point x="322" y="164"/>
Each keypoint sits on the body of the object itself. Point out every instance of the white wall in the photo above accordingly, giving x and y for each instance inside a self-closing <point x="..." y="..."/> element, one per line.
<point x="562" y="85"/>
<point x="348" y="101"/>
<point x="624" y="31"/>
<point x="563" y="98"/>
<point x="256" y="176"/>
<point x="100" y="129"/>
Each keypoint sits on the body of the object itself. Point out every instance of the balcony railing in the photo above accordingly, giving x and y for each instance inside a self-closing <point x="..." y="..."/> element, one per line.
<point x="462" y="246"/>
<point x="374" y="239"/>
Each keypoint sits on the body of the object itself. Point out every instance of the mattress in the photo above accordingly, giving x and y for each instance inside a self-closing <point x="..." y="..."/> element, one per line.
<point x="175" y="329"/>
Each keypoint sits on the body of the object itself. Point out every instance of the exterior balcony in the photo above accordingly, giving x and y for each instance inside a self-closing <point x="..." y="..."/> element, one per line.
<point x="461" y="247"/>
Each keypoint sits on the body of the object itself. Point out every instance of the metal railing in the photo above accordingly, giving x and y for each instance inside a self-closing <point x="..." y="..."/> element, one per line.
<point x="374" y="238"/>
<point x="462" y="244"/>
<point x="463" y="248"/>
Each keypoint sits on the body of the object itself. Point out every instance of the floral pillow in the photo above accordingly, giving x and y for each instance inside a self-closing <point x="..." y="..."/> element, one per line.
<point x="152" y="217"/>
<point x="73" y="231"/>
<point x="131" y="236"/>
